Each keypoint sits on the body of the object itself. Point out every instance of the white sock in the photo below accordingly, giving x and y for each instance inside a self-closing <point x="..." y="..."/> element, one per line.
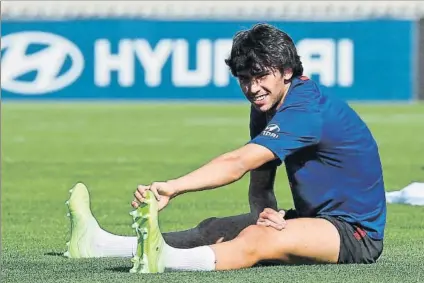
<point x="106" y="244"/>
<point x="195" y="259"/>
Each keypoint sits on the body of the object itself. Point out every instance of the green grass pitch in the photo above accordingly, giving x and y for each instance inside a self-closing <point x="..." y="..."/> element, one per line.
<point x="46" y="148"/>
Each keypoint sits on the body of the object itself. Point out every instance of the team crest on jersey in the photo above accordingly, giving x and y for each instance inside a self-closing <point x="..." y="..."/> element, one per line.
<point x="271" y="130"/>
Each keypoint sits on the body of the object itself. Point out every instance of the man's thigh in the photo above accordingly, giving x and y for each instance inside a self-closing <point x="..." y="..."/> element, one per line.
<point x="303" y="241"/>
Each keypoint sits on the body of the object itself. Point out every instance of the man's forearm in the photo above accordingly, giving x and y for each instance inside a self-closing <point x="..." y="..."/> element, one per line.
<point x="261" y="189"/>
<point x="219" y="172"/>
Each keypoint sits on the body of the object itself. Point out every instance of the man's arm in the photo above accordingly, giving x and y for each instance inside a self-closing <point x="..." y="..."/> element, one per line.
<point x="261" y="188"/>
<point x="224" y="169"/>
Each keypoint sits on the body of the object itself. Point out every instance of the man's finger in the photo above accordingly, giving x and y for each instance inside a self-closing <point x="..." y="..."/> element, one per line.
<point x="138" y="196"/>
<point x="261" y="219"/>
<point x="268" y="210"/>
<point x="263" y="214"/>
<point x="277" y="226"/>
<point x="276" y="218"/>
<point x="154" y="189"/>
<point x="263" y="222"/>
<point x="134" y="204"/>
<point x="269" y="213"/>
<point x="282" y="212"/>
<point x="142" y="188"/>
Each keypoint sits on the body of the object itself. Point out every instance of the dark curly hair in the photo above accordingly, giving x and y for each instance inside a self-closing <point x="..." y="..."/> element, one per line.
<point x="261" y="48"/>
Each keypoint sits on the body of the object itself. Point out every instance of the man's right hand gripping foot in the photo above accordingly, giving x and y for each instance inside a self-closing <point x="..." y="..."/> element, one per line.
<point x="150" y="256"/>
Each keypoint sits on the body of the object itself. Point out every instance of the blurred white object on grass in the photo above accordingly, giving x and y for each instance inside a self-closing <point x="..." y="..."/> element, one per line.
<point x="413" y="194"/>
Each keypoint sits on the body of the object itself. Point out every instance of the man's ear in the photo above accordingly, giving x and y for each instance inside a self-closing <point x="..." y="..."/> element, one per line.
<point x="288" y="75"/>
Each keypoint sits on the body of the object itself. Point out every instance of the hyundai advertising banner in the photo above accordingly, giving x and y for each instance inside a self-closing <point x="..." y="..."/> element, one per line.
<point x="155" y="60"/>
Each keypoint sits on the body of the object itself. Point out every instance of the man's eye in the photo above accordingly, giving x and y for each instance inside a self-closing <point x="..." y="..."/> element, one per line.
<point x="262" y="77"/>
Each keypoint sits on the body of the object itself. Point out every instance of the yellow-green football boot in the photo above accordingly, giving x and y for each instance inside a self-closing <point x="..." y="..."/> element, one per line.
<point x="83" y="224"/>
<point x="149" y="257"/>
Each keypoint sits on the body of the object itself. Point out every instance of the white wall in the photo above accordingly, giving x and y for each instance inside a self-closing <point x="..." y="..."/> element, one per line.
<point x="258" y="10"/>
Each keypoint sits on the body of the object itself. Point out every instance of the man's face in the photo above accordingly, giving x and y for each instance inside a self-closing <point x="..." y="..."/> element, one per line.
<point x="267" y="90"/>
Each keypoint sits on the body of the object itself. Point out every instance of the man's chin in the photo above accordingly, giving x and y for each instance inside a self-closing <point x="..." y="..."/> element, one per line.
<point x="263" y="108"/>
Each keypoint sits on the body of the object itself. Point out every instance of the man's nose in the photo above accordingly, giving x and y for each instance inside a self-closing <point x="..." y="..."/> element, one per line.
<point x="254" y="87"/>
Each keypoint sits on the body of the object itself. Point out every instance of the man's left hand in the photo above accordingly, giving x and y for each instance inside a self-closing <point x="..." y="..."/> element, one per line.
<point x="272" y="218"/>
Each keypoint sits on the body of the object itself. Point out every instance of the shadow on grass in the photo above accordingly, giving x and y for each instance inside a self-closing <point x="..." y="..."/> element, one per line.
<point x="126" y="269"/>
<point x="120" y="269"/>
<point x="54" y="254"/>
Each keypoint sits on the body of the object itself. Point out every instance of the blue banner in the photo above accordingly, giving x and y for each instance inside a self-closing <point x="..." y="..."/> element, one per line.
<point x="152" y="59"/>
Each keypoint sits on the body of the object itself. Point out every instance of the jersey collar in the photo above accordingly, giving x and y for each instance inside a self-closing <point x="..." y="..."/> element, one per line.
<point x="296" y="81"/>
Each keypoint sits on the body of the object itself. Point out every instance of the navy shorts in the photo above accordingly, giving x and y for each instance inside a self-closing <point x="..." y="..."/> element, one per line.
<point x="355" y="245"/>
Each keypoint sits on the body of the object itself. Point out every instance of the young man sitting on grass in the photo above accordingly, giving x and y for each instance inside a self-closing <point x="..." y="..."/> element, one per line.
<point x="332" y="163"/>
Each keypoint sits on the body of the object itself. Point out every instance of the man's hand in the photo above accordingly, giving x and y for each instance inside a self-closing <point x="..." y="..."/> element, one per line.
<point x="163" y="192"/>
<point x="271" y="218"/>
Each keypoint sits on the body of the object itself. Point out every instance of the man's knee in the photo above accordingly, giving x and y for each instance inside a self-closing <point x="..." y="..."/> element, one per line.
<point x="257" y="243"/>
<point x="250" y="232"/>
<point x="251" y="239"/>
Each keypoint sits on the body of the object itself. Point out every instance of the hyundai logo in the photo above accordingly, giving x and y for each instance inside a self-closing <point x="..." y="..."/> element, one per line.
<point x="48" y="63"/>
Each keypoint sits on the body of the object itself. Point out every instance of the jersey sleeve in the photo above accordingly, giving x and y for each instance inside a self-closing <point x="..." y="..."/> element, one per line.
<point x="289" y="131"/>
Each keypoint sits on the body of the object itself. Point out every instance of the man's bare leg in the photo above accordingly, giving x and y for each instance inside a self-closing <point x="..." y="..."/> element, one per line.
<point x="303" y="241"/>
